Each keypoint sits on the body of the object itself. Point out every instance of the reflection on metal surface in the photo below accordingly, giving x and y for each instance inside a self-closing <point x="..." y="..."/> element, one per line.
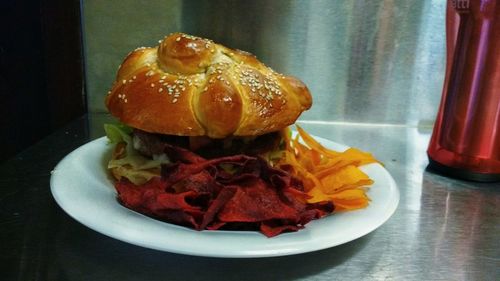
<point x="460" y="211"/>
<point x="364" y="61"/>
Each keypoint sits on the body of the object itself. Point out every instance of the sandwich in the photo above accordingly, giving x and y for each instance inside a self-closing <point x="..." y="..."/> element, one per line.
<point x="201" y="132"/>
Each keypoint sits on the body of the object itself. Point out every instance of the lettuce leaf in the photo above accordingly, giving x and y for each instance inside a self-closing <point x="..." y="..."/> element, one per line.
<point x="134" y="166"/>
<point x="117" y="133"/>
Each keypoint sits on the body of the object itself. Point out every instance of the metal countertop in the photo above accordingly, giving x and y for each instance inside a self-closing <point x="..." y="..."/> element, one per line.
<point x="443" y="229"/>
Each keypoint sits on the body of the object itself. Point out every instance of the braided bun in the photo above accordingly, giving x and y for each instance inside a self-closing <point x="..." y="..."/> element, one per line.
<point x="190" y="86"/>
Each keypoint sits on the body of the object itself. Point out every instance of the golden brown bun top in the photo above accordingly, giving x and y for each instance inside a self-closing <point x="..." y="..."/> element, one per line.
<point x="194" y="87"/>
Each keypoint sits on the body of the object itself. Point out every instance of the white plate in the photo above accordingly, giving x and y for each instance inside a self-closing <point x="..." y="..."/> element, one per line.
<point x="81" y="186"/>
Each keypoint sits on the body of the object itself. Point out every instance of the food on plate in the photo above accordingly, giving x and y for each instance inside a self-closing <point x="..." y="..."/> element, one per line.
<point x="203" y="142"/>
<point x="327" y="175"/>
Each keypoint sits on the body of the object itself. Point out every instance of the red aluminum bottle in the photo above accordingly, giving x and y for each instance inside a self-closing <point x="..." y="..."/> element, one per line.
<point x="465" y="142"/>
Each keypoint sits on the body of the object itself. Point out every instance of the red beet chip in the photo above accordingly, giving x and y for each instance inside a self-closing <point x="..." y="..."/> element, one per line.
<point x="271" y="229"/>
<point x="203" y="194"/>
<point x="256" y="201"/>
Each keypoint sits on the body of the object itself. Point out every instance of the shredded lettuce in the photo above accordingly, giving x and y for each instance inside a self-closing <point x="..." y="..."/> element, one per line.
<point x="117" y="133"/>
<point x="134" y="166"/>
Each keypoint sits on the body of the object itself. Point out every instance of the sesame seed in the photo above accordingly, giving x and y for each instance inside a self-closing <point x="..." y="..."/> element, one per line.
<point x="134" y="77"/>
<point x="124" y="81"/>
<point x="191" y="37"/>
<point x="160" y="90"/>
<point x="125" y="100"/>
<point x="174" y="100"/>
<point x="152" y="85"/>
<point x="178" y="39"/>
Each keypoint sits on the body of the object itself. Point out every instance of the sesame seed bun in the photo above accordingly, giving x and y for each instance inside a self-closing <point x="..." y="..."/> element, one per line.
<point x="190" y="86"/>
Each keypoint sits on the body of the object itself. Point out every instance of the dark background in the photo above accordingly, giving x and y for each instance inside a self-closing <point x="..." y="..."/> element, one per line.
<point x="41" y="70"/>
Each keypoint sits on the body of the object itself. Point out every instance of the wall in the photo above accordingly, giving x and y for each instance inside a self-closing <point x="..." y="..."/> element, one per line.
<point x="364" y="61"/>
<point x="41" y="70"/>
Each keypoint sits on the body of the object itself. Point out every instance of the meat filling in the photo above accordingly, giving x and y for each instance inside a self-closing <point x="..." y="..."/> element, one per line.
<point x="150" y="144"/>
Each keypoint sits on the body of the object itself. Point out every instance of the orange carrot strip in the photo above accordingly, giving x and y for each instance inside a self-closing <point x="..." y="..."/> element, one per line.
<point x="351" y="194"/>
<point x="328" y="174"/>
<point x="317" y="196"/>
<point x="315" y="157"/>
<point x="349" y="175"/>
<point x="313" y="144"/>
<point x="335" y="168"/>
<point x="342" y="205"/>
<point x="300" y="169"/>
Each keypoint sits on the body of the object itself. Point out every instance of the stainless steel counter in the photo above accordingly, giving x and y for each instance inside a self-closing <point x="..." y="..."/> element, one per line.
<point x="443" y="229"/>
